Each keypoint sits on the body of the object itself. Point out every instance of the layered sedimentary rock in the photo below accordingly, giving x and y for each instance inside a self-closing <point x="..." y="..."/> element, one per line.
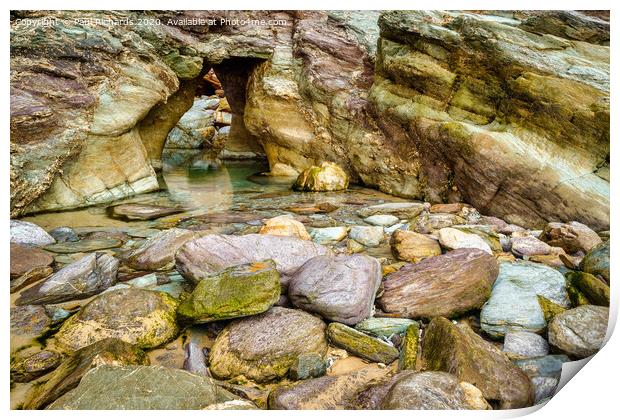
<point x="509" y="113"/>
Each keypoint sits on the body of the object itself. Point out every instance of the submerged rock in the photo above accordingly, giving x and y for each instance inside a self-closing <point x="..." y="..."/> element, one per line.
<point x="29" y="234"/>
<point x="143" y="388"/>
<point x="138" y="316"/>
<point x="327" y="392"/>
<point x="597" y="261"/>
<point x="141" y="211"/>
<point x="86" y="277"/>
<point x="284" y="226"/>
<point x="201" y="257"/>
<point x="447" y="285"/>
<point x="432" y="391"/>
<point x="263" y="347"/>
<point x="327" y="177"/>
<point x="513" y="305"/>
<point x="400" y="210"/>
<point x="68" y="375"/>
<point x="340" y="288"/>
<point x="64" y="234"/>
<point x="236" y="292"/>
<point x="412" y="246"/>
<point x="360" y="344"/>
<point x="579" y="332"/>
<point x="84" y="245"/>
<point x="456" y="349"/>
<point x="158" y="252"/>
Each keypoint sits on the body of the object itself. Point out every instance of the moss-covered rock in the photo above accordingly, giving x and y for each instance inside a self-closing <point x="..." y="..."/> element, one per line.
<point x="142" y="317"/>
<point x="327" y="177"/>
<point x="360" y="344"/>
<point x="597" y="261"/>
<point x="263" y="347"/>
<point x="31" y="367"/>
<point x="409" y="348"/>
<point x="595" y="290"/>
<point x="68" y="375"/>
<point x="236" y="292"/>
<point x="576" y="296"/>
<point x="549" y="308"/>
<point x="458" y="350"/>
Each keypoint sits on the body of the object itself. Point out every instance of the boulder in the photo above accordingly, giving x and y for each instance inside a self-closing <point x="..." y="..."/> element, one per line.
<point x="432" y="391"/>
<point x="573" y="237"/>
<point x="524" y="345"/>
<point x="340" y="288"/>
<point x="513" y="305"/>
<point x="28" y="265"/>
<point x="360" y="344"/>
<point x="445" y="285"/>
<point x="327" y="177"/>
<point x="201" y="257"/>
<point x="329" y="234"/>
<point x="109" y="351"/>
<point x="597" y="261"/>
<point x="236" y="292"/>
<point x="31" y="367"/>
<point x="458" y="350"/>
<point x="158" y="252"/>
<point x="138" y="316"/>
<point x="86" y="277"/>
<point x="412" y="246"/>
<point x="136" y="211"/>
<point x="384" y="220"/>
<point x="284" y="226"/>
<point x="451" y="238"/>
<point x="594" y="289"/>
<point x="143" y="388"/>
<point x="370" y="236"/>
<point x="528" y="246"/>
<point x="580" y="331"/>
<point x="327" y="392"/>
<point x="29" y="234"/>
<point x="400" y="210"/>
<point x="384" y="327"/>
<point x="263" y="347"/>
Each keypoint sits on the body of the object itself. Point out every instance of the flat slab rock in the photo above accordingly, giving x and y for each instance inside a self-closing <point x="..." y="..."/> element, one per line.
<point x="458" y="350"/>
<point x="84" y="245"/>
<point x="86" y="277"/>
<point x="445" y="285"/>
<point x="142" y="388"/>
<point x="142" y="317"/>
<point x="340" y="288"/>
<point x="579" y="331"/>
<point x="263" y="347"/>
<point x="25" y="259"/>
<point x="141" y="211"/>
<point x="201" y="257"/>
<point x="513" y="305"/>
<point x="400" y="210"/>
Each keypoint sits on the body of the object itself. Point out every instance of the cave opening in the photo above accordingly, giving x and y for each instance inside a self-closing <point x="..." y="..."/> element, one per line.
<point x="212" y="130"/>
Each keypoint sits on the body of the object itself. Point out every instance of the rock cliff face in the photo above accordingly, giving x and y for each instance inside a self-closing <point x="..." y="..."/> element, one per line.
<point x="509" y="113"/>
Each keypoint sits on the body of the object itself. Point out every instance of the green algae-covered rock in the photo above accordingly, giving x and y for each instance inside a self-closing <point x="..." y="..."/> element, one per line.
<point x="138" y="316"/>
<point x="597" y="261"/>
<point x="327" y="177"/>
<point x="595" y="290"/>
<point x="25" y="369"/>
<point x="576" y="296"/>
<point x="307" y="365"/>
<point x="263" y="347"/>
<point x="360" y="344"/>
<point x="142" y="388"/>
<point x="384" y="327"/>
<point x="458" y="350"/>
<point x="549" y="308"/>
<point x="68" y="375"/>
<point x="239" y="291"/>
<point x="409" y="348"/>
